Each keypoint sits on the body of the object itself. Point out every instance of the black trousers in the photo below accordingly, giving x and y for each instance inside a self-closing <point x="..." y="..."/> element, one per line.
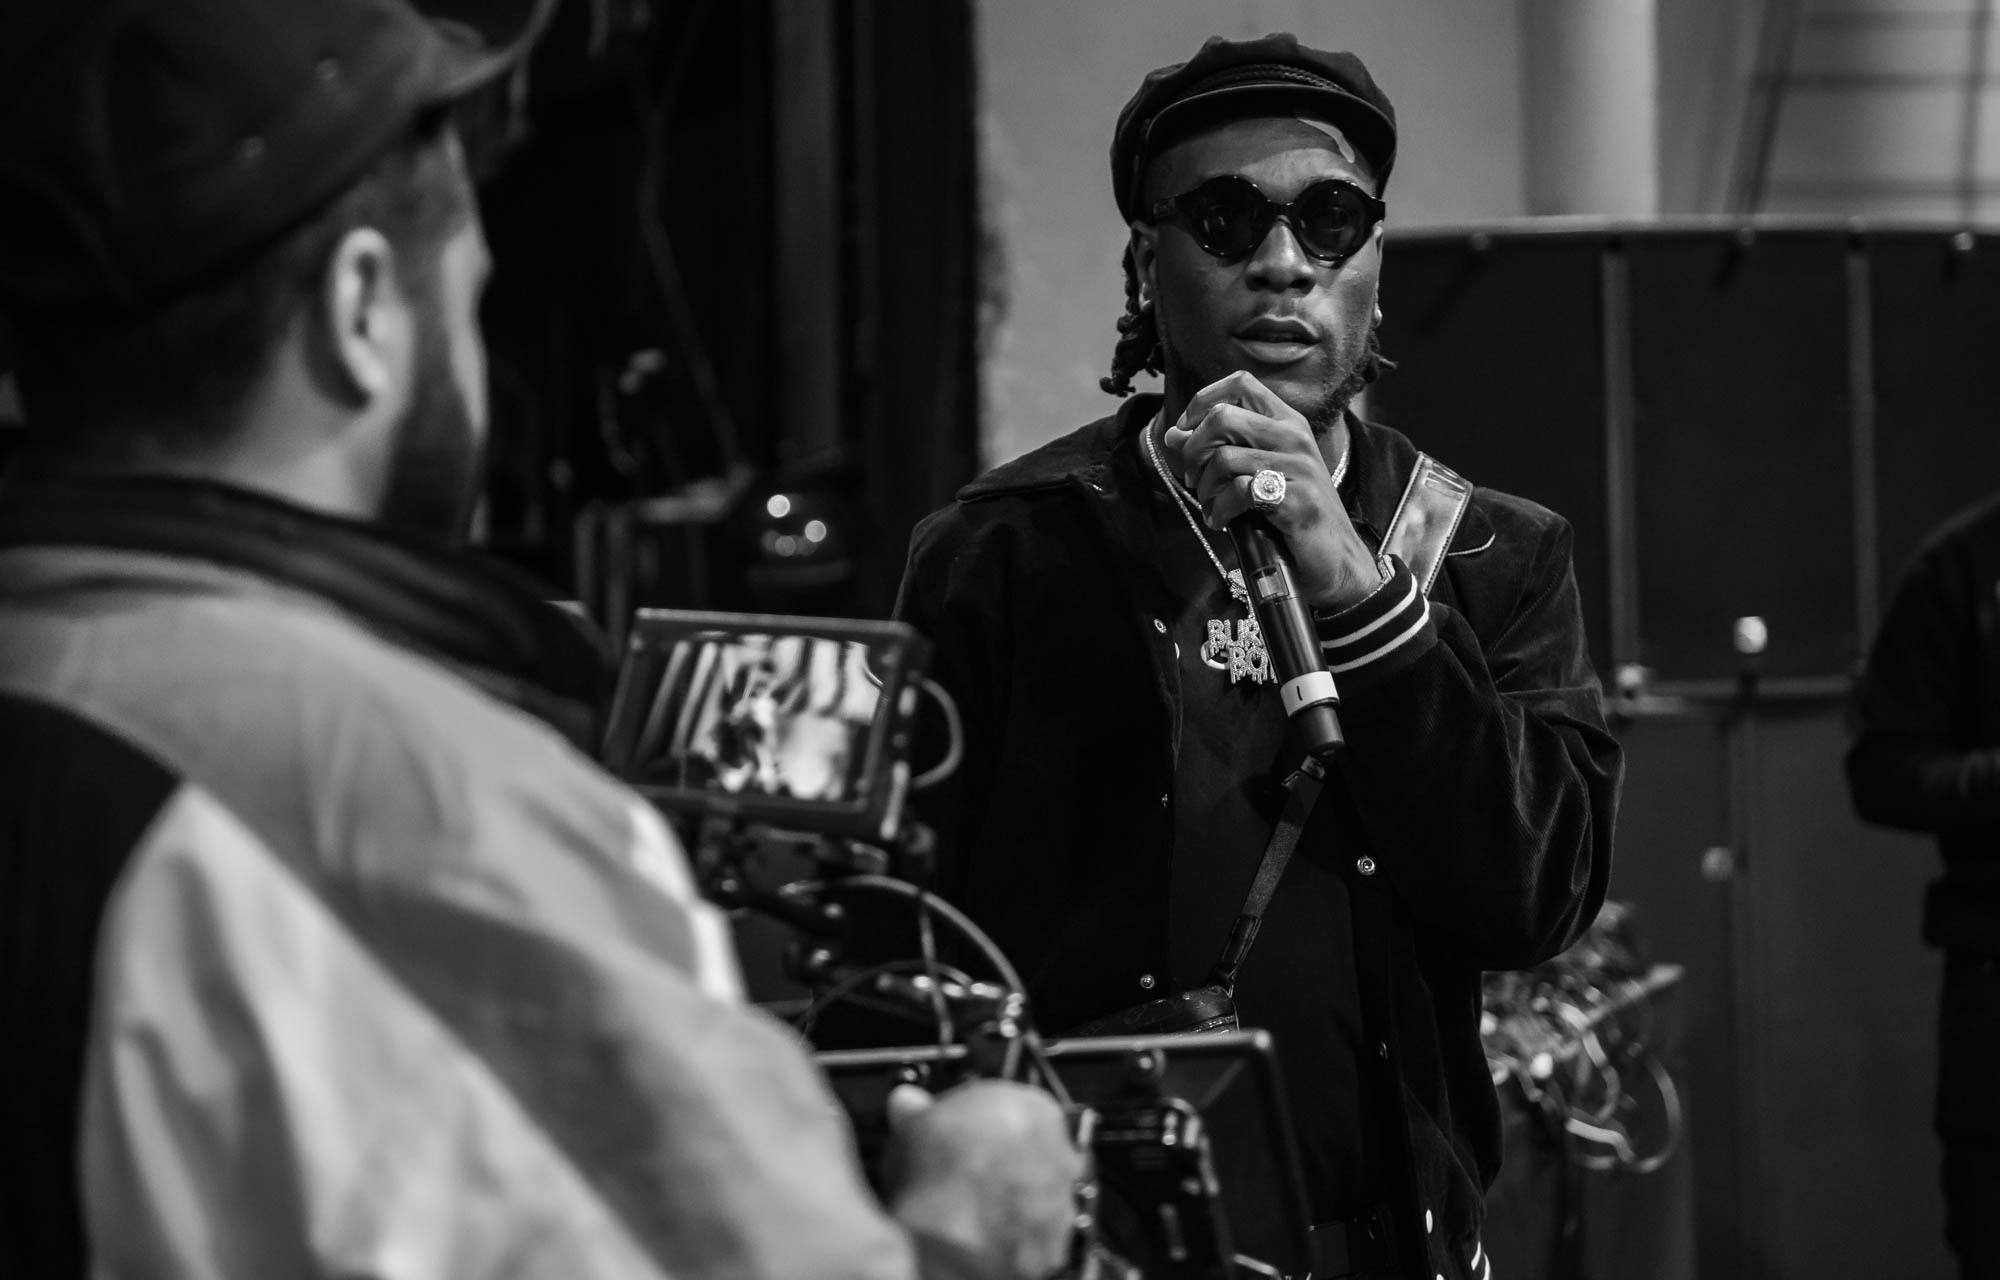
<point x="1968" y="1110"/>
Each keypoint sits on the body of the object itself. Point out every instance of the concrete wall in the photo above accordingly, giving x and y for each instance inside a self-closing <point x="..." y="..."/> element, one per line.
<point x="1707" y="49"/>
<point x="1053" y="75"/>
<point x="1889" y="108"/>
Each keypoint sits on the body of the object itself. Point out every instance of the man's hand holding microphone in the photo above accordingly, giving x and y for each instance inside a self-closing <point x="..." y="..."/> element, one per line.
<point x="1256" y="468"/>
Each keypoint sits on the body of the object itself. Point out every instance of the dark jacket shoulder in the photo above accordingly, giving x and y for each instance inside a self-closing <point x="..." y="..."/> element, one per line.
<point x="984" y="513"/>
<point x="1972" y="533"/>
<point x="1498" y="519"/>
<point x="1980" y="520"/>
<point x="1082" y="454"/>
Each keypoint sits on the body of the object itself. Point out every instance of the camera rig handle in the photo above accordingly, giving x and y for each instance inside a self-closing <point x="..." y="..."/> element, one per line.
<point x="1154" y="1147"/>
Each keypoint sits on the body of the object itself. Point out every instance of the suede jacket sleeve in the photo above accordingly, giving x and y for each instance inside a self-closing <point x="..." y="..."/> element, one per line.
<point x="954" y="592"/>
<point x="1478" y="756"/>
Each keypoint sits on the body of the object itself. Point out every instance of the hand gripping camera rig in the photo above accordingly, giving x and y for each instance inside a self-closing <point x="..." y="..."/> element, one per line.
<point x="774" y="740"/>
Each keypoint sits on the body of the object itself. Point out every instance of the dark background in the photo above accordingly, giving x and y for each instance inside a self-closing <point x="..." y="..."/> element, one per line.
<point x="641" y="313"/>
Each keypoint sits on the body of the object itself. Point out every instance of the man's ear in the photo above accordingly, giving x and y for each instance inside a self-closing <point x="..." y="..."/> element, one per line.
<point x="362" y="309"/>
<point x="1145" y="260"/>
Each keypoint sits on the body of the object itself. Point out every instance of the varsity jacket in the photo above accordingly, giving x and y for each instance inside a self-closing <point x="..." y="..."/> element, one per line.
<point x="1475" y="799"/>
<point x="318" y="959"/>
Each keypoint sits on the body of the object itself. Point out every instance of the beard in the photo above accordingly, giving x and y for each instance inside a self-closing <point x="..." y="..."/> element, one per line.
<point x="434" y="454"/>
<point x="1350" y="373"/>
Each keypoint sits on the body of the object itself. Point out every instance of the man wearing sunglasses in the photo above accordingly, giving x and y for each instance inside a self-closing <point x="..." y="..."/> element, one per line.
<point x="1127" y="754"/>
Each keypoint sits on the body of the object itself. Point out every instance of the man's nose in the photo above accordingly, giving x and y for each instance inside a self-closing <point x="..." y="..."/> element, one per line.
<point x="1280" y="262"/>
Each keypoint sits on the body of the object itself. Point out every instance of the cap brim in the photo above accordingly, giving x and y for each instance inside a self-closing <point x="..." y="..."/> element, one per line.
<point x="1367" y="128"/>
<point x="483" y="40"/>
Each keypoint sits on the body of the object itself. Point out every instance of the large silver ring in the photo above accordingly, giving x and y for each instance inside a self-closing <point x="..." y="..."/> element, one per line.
<point x="1267" y="489"/>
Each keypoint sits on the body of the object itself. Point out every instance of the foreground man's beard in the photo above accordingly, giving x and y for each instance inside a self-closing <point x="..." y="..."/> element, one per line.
<point x="434" y="461"/>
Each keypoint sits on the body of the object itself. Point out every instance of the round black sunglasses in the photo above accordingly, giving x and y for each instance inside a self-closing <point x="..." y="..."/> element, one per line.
<point x="1229" y="217"/>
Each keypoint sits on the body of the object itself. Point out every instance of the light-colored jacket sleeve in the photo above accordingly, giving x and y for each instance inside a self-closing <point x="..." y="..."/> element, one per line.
<point x="447" y="1075"/>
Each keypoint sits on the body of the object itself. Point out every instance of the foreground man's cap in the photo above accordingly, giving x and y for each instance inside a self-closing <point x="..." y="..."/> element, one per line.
<point x="148" y="145"/>
<point x="1231" y="79"/>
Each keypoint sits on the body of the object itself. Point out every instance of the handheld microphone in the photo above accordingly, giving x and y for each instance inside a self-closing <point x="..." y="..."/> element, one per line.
<point x="1305" y="685"/>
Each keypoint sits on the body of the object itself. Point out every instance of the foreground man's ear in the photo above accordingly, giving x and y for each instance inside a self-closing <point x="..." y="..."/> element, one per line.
<point x="362" y="312"/>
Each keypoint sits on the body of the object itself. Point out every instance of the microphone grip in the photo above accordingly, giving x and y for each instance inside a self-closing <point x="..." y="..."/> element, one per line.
<point x="1304" y="684"/>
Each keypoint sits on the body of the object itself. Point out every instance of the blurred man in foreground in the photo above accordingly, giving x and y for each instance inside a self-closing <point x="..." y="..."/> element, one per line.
<point x="1927" y="758"/>
<point x="323" y="956"/>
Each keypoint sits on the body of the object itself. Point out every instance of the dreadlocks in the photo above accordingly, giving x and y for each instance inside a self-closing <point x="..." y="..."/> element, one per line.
<point x="1139" y="351"/>
<point x="1138" y="338"/>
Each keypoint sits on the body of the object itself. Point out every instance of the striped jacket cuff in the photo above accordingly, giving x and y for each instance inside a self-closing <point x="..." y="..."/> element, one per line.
<point x="1393" y="624"/>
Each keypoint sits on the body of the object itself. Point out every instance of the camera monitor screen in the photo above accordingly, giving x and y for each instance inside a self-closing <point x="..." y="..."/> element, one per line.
<point x="792" y="721"/>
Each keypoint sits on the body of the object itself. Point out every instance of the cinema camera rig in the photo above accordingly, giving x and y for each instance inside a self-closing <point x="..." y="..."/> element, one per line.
<point x="787" y="741"/>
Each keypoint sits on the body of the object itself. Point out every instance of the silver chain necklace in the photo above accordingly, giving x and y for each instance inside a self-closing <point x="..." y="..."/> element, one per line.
<point x="1239" y="650"/>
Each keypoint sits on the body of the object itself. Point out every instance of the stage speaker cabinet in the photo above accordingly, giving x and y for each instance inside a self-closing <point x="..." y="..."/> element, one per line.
<point x="1936" y="308"/>
<point x="1739" y="419"/>
<point x="1498" y="343"/>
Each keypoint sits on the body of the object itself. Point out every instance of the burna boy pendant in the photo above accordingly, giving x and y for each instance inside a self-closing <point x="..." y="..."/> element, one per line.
<point x="1241" y="651"/>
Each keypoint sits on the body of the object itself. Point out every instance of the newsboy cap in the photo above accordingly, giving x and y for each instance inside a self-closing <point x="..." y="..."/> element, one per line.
<point x="147" y="145"/>
<point x="1230" y="79"/>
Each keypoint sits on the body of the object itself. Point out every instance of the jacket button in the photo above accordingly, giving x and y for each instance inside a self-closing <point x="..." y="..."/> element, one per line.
<point x="1382" y="1047"/>
<point x="1365" y="865"/>
<point x="1164" y="799"/>
<point x="1159" y="626"/>
<point x="1430" y="1223"/>
<point x="1147" y="981"/>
